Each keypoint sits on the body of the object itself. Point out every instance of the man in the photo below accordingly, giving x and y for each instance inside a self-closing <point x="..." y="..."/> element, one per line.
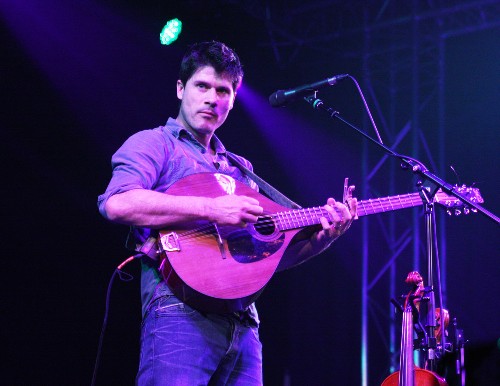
<point x="179" y="344"/>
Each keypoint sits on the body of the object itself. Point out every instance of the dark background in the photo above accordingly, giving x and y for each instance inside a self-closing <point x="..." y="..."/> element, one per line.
<point x="79" y="77"/>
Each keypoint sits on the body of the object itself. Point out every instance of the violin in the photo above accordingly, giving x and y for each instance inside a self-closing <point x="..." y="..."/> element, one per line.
<point x="409" y="374"/>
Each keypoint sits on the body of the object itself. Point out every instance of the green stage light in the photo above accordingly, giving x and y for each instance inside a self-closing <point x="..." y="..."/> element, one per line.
<point x="170" y="31"/>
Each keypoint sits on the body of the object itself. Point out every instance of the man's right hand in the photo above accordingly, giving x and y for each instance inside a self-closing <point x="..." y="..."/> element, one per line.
<point x="234" y="210"/>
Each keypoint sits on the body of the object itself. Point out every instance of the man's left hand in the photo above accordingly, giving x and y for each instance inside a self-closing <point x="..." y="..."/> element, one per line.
<point x="341" y="217"/>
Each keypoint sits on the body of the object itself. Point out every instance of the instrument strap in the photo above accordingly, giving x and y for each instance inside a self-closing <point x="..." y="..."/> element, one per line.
<point x="271" y="191"/>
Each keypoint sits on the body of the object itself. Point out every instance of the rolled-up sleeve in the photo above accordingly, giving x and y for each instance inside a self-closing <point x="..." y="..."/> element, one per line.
<point x="135" y="165"/>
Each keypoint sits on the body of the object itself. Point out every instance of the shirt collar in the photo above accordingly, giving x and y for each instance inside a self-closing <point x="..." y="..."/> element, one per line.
<point x="178" y="130"/>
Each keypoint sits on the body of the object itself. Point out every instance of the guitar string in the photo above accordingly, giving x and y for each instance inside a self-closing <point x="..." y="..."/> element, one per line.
<point x="207" y="230"/>
<point x="291" y="219"/>
<point x="287" y="220"/>
<point x="387" y="203"/>
<point x="269" y="222"/>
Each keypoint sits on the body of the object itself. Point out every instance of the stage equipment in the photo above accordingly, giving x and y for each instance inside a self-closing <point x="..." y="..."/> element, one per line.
<point x="283" y="97"/>
<point x="170" y="31"/>
<point x="409" y="374"/>
<point x="428" y="185"/>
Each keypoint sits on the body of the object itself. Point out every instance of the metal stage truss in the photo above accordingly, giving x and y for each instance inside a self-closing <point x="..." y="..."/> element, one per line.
<point x="393" y="40"/>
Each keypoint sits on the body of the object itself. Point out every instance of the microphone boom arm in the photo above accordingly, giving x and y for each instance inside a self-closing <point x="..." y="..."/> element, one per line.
<point x="406" y="162"/>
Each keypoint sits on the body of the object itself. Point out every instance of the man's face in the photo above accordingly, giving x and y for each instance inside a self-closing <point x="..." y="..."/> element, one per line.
<point x="206" y="99"/>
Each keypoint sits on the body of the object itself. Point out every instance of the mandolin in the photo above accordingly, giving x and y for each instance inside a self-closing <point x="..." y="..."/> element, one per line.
<point x="225" y="268"/>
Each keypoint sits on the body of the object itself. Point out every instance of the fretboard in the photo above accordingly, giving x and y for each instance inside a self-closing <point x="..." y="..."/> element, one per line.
<point x="299" y="218"/>
<point x="388" y="204"/>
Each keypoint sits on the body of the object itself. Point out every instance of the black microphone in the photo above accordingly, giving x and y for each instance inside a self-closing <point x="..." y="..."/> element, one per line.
<point x="282" y="97"/>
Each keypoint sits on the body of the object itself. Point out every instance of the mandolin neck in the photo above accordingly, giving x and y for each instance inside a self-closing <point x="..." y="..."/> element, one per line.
<point x="388" y="204"/>
<point x="299" y="218"/>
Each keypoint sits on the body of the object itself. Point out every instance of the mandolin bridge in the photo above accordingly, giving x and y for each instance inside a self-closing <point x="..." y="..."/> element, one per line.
<point x="170" y="242"/>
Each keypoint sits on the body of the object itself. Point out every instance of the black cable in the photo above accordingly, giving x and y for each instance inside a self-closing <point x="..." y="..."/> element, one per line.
<point x="124" y="277"/>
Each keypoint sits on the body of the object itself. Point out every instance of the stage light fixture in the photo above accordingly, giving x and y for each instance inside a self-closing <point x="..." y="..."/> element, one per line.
<point x="171" y="31"/>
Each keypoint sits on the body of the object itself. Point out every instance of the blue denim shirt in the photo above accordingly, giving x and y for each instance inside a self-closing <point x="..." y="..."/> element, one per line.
<point x="155" y="159"/>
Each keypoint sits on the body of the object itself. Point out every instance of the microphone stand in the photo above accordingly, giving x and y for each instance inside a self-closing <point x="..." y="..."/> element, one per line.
<point x="436" y="183"/>
<point x="406" y="162"/>
<point x="430" y="343"/>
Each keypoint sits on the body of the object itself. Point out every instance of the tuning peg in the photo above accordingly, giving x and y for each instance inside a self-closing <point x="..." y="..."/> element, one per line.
<point x="448" y="212"/>
<point x="458" y="212"/>
<point x="474" y="210"/>
<point x="466" y="210"/>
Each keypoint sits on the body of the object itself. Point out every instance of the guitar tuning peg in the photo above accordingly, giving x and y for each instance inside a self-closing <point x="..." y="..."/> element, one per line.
<point x="448" y="212"/>
<point x="458" y="212"/>
<point x="466" y="210"/>
<point x="473" y="210"/>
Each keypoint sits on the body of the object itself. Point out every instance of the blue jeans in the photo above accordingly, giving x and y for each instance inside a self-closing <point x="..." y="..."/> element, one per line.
<point x="181" y="346"/>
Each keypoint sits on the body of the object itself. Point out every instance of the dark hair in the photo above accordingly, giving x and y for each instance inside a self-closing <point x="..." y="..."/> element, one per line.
<point x="216" y="54"/>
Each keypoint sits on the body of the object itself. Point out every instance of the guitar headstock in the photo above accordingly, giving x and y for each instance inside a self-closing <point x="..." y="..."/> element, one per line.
<point x="453" y="205"/>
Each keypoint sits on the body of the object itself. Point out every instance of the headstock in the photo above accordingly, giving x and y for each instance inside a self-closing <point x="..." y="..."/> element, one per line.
<point x="453" y="205"/>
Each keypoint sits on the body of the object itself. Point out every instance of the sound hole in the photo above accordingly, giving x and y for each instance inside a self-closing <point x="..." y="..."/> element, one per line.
<point x="265" y="226"/>
<point x="245" y="248"/>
